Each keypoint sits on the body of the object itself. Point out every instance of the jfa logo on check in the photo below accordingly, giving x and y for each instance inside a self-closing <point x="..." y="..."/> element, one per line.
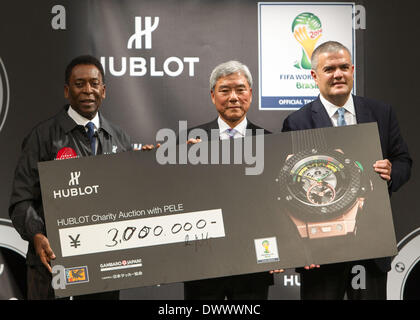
<point x="77" y="275"/>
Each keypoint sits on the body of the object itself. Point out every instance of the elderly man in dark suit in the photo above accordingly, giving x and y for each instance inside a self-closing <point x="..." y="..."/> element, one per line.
<point x="231" y="93"/>
<point x="333" y="71"/>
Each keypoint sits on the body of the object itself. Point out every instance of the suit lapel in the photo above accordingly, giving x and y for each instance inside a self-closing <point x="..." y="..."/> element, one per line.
<point x="321" y="119"/>
<point x="363" y="114"/>
<point x="211" y="126"/>
<point x="319" y="115"/>
<point x="252" y="126"/>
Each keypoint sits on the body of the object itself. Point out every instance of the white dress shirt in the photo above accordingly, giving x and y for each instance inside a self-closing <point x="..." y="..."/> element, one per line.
<point x="349" y="115"/>
<point x="82" y="121"/>
<point x="240" y="129"/>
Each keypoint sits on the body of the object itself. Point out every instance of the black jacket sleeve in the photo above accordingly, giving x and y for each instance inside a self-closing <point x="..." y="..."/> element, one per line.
<point x="397" y="154"/>
<point x="25" y="208"/>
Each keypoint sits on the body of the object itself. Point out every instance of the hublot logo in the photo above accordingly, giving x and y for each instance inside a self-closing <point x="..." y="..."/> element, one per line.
<point x="74" y="180"/>
<point x="74" y="192"/>
<point x="146" y="32"/>
<point x="139" y="66"/>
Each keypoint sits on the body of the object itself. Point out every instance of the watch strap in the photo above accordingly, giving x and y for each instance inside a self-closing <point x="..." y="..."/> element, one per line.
<point x="337" y="227"/>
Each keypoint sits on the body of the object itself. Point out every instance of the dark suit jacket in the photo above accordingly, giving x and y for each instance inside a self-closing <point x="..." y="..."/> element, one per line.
<point x="245" y="281"/>
<point x="313" y="115"/>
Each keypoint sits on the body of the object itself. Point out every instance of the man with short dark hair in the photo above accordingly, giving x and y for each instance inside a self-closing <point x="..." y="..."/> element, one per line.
<point x="231" y="93"/>
<point x="333" y="71"/>
<point x="78" y="130"/>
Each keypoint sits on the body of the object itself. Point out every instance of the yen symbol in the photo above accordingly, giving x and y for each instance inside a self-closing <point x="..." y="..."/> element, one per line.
<point x="75" y="242"/>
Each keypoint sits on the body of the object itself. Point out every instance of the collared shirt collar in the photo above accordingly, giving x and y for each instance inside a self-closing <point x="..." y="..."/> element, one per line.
<point x="332" y="109"/>
<point x="240" y="127"/>
<point x="82" y="121"/>
<point x="68" y="123"/>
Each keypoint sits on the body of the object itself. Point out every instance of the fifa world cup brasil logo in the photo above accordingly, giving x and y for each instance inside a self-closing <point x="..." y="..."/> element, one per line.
<point x="307" y="29"/>
<point x="266" y="244"/>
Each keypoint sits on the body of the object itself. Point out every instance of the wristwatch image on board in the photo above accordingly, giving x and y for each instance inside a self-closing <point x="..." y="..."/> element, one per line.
<point x="321" y="188"/>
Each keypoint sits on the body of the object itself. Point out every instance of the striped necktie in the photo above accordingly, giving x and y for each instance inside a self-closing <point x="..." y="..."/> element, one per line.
<point x="231" y="133"/>
<point x="341" y="121"/>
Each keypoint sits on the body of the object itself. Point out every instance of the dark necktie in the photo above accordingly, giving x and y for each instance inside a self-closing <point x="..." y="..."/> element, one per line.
<point x="91" y="135"/>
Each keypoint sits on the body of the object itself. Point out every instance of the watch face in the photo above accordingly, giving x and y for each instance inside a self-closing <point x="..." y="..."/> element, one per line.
<point x="318" y="185"/>
<point x="318" y="180"/>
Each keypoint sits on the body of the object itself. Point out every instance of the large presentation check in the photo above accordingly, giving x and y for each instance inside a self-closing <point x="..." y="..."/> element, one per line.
<point x="127" y="220"/>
